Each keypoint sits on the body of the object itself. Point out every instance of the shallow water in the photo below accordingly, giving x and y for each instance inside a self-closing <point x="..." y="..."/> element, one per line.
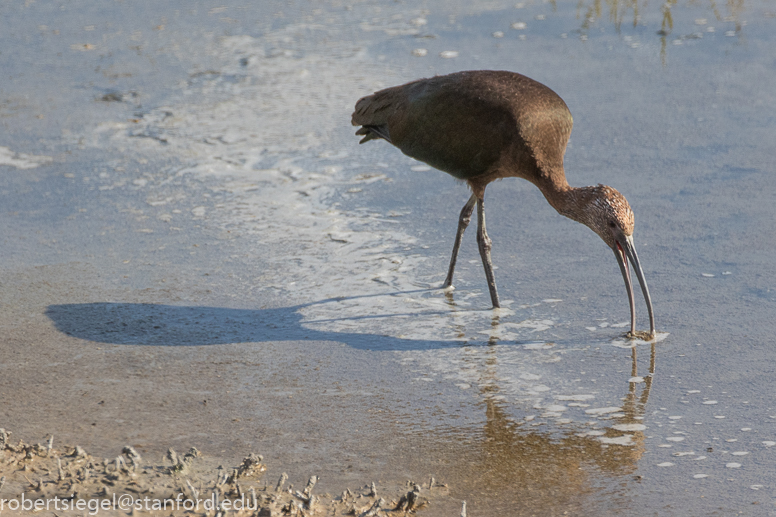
<point x="197" y="252"/>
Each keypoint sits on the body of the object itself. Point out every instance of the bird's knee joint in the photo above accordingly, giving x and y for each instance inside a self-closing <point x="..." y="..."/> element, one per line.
<point x="485" y="243"/>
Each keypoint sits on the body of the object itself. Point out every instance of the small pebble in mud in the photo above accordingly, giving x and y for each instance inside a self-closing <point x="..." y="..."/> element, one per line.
<point x="665" y="464"/>
<point x="448" y="54"/>
<point x="519" y="26"/>
<point x="498" y="34"/>
<point x="709" y="402"/>
<point x="769" y="444"/>
<point x="419" y="52"/>
<point x="700" y="476"/>
<point x="733" y="465"/>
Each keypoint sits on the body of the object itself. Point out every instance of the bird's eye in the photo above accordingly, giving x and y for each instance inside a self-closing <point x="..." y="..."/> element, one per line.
<point x="612" y="225"/>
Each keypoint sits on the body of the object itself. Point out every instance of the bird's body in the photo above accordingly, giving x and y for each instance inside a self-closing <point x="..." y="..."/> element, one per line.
<point x="479" y="126"/>
<point x="476" y="126"/>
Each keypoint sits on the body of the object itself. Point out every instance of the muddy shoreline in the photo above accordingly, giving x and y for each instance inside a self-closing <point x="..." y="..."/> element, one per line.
<point x="68" y="481"/>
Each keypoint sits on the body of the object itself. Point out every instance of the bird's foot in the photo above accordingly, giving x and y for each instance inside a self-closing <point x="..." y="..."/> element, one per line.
<point x="642" y="335"/>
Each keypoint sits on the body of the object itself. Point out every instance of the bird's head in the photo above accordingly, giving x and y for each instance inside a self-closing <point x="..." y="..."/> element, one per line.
<point x="607" y="213"/>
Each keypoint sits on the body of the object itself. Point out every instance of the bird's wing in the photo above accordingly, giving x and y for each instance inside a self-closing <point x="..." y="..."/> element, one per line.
<point x="470" y="123"/>
<point x="451" y="129"/>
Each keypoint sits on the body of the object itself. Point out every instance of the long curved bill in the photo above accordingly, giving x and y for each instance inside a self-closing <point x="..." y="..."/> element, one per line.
<point x="626" y="250"/>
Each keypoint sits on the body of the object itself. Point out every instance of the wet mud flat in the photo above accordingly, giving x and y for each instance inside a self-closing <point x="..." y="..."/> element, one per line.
<point x="197" y="252"/>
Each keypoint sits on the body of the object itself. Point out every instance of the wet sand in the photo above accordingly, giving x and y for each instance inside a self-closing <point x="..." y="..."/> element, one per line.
<point x="196" y="252"/>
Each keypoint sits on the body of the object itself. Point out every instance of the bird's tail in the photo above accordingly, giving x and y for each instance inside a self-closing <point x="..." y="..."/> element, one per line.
<point x="372" y="114"/>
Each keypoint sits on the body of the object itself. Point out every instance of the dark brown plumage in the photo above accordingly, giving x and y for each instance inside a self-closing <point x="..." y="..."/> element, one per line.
<point x="483" y="125"/>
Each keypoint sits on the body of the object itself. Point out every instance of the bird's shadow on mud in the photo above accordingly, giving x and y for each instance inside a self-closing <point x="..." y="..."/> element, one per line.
<point x="152" y="324"/>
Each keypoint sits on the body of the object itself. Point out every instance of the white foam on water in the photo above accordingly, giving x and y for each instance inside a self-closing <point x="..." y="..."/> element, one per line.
<point x="626" y="439"/>
<point x="593" y="433"/>
<point x="602" y="410"/>
<point x="629" y="427"/>
<point x="538" y="346"/>
<point x="21" y="160"/>
<point x="575" y="397"/>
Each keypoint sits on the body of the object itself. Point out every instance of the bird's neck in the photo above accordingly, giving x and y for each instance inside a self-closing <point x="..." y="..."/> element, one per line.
<point x="567" y="200"/>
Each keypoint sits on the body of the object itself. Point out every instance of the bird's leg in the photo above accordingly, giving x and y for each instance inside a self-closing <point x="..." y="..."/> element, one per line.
<point x="485" y="244"/>
<point x="463" y="222"/>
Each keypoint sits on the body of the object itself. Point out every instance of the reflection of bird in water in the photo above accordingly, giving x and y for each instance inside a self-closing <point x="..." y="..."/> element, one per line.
<point x="484" y="125"/>
<point x="544" y="469"/>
